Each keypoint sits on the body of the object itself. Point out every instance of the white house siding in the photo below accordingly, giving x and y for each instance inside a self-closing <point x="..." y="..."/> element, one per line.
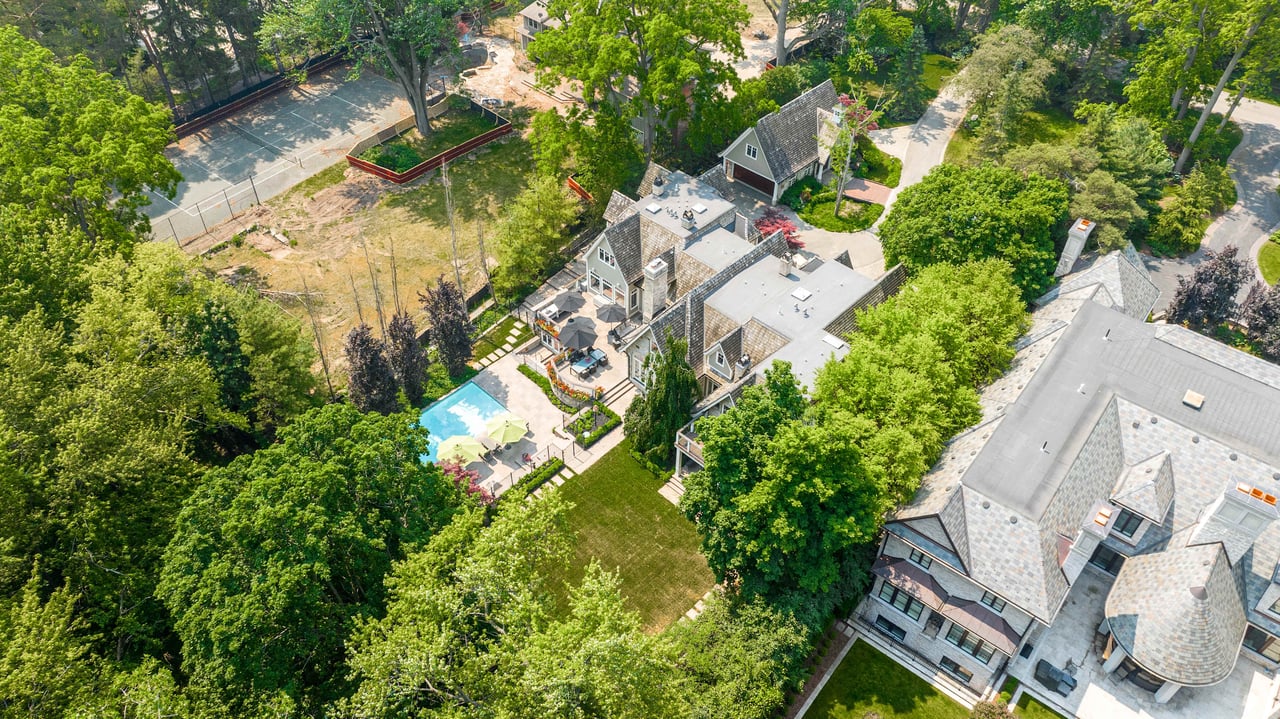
<point x="935" y="648"/>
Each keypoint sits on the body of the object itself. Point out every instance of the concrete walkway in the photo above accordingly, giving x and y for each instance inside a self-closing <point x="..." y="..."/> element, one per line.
<point x="922" y="147"/>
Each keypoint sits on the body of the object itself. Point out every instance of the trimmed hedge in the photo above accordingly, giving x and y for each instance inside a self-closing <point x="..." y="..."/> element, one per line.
<point x="545" y="384"/>
<point x="612" y="420"/>
<point x="536" y="477"/>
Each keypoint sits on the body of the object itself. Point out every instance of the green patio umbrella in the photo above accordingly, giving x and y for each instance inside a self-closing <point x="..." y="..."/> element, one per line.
<point x="506" y="428"/>
<point x="463" y="448"/>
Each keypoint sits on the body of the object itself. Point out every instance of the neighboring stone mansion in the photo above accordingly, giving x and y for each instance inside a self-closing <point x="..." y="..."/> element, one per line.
<point x="1144" y="454"/>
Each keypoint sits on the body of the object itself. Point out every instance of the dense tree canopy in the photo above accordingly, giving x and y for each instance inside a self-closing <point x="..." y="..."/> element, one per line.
<point x="276" y="555"/>
<point x="957" y="214"/>
<point x="531" y="234"/>
<point x="403" y="38"/>
<point x="648" y="60"/>
<point x="80" y="152"/>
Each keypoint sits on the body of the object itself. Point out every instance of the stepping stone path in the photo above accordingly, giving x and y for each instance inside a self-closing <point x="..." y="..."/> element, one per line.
<point x="517" y="335"/>
<point x="700" y="605"/>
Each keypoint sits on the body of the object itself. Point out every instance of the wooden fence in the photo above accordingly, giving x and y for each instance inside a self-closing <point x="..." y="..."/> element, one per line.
<point x="413" y="173"/>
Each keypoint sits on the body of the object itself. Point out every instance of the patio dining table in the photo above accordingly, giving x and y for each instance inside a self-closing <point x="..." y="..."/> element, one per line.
<point x="585" y="365"/>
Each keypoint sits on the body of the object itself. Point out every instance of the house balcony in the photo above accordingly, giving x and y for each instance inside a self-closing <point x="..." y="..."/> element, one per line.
<point x="688" y="451"/>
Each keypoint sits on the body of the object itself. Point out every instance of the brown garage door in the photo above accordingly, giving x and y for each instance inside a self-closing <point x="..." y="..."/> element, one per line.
<point x="753" y="180"/>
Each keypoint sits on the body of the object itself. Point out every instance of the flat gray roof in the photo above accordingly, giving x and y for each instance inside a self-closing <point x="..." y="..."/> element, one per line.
<point x="718" y="249"/>
<point x="679" y="193"/>
<point x="1104" y="353"/>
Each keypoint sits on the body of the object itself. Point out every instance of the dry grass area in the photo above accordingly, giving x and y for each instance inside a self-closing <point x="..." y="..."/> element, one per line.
<point x="336" y="235"/>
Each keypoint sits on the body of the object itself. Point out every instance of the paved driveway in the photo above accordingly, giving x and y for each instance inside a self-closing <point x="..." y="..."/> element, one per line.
<point x="923" y="147"/>
<point x="1254" y="165"/>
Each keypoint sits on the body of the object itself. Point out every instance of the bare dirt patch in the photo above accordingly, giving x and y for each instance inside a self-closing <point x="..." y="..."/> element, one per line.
<point x="338" y="242"/>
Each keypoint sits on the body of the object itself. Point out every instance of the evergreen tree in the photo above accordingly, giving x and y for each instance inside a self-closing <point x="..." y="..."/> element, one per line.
<point x="371" y="383"/>
<point x="1206" y="299"/>
<point x="671" y="391"/>
<point x="407" y="356"/>
<point x="905" y="82"/>
<point x="450" y="325"/>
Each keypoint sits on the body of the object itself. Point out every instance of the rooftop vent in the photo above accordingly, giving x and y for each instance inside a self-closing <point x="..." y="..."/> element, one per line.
<point x="1193" y="399"/>
<point x="654" y="208"/>
<point x="1199" y="593"/>
<point x="687" y="221"/>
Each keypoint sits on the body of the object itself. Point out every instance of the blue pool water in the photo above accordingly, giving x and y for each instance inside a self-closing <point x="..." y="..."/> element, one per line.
<point x="464" y="411"/>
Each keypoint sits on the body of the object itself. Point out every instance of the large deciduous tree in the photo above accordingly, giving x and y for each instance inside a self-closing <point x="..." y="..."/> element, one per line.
<point x="1206" y="299"/>
<point x="403" y="38"/>
<point x="79" y="149"/>
<point x="671" y="391"/>
<point x="449" y="325"/>
<point x="278" y="554"/>
<point x="780" y="501"/>
<point x="532" y="233"/>
<point x="651" y="60"/>
<point x="957" y="214"/>
<point x="471" y="630"/>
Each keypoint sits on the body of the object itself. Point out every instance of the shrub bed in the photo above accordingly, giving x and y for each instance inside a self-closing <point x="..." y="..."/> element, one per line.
<point x="593" y="424"/>
<point x="545" y="384"/>
<point x="878" y="165"/>
<point x="536" y="477"/>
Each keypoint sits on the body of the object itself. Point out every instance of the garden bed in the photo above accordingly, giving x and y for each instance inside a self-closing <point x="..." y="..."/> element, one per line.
<point x="854" y="215"/>
<point x="592" y="424"/>
<point x="1269" y="259"/>
<point x="460" y="127"/>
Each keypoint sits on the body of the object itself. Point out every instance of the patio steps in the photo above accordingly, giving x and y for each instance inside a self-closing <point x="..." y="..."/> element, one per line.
<point x="616" y="392"/>
<point x="673" y="490"/>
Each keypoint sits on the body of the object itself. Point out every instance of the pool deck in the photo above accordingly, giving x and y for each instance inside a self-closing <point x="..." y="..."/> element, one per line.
<point x="503" y="381"/>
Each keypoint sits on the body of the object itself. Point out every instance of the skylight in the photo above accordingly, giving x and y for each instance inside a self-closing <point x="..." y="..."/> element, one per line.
<point x="801" y="294"/>
<point x="654" y="208"/>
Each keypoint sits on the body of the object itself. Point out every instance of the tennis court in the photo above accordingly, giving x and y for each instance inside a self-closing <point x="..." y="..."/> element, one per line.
<point x="270" y="147"/>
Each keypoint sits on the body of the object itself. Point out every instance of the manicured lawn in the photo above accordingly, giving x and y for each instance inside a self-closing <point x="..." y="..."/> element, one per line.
<point x="1030" y="708"/>
<point x="1047" y="125"/>
<point x="854" y="215"/>
<point x="868" y="681"/>
<point x="497" y="336"/>
<point x="623" y="522"/>
<point x="1269" y="261"/>
<point x="937" y="68"/>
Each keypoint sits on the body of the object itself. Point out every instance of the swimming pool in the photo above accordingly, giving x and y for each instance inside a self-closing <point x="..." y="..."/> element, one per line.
<point x="463" y="411"/>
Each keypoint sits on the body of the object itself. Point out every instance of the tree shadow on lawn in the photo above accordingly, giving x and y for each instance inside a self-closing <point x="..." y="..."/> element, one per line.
<point x="493" y="178"/>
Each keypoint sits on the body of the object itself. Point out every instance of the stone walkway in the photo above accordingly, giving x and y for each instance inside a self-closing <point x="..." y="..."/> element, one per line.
<point x="519" y="336"/>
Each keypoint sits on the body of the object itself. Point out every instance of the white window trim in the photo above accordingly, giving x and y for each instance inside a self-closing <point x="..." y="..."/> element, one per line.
<point x="752" y="151"/>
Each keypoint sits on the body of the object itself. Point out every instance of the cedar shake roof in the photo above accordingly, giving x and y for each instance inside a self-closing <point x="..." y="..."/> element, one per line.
<point x="1177" y="613"/>
<point x="619" y="207"/>
<point x="789" y="136"/>
<point x="624" y="240"/>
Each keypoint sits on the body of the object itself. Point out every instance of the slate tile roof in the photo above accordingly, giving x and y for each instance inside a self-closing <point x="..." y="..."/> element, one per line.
<point x="1147" y="487"/>
<point x="1125" y="277"/>
<point x="789" y="136"/>
<point x="1178" y="614"/>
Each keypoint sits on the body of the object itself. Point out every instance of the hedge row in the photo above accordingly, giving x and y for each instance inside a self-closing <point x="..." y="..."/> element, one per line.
<point x="611" y="422"/>
<point x="536" y="477"/>
<point x="545" y="384"/>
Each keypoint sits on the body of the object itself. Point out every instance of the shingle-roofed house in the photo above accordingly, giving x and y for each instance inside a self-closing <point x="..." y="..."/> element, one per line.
<point x="534" y="18"/>
<point x="1143" y="452"/>
<point x="784" y="145"/>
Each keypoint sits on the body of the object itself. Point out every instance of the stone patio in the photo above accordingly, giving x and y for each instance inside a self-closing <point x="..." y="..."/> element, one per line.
<point x="1248" y="693"/>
